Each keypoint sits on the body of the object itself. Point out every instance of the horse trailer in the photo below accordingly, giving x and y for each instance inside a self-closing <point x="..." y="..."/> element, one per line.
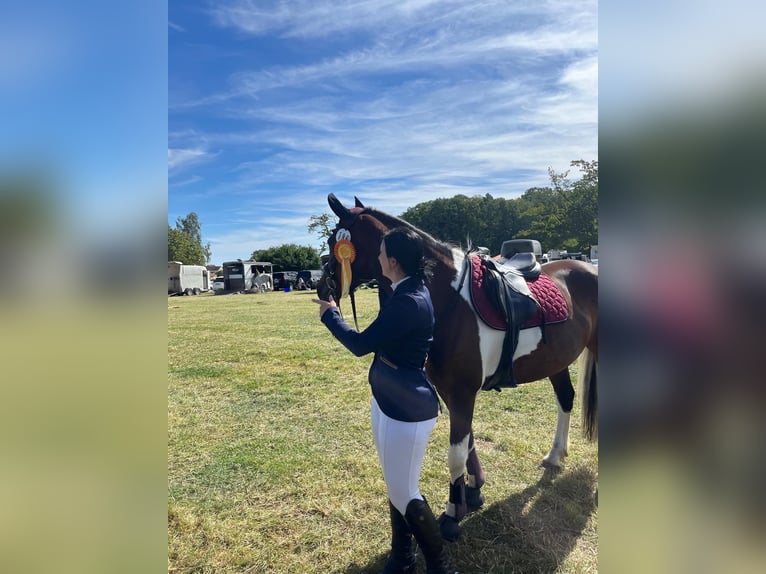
<point x="187" y="279"/>
<point x="242" y="276"/>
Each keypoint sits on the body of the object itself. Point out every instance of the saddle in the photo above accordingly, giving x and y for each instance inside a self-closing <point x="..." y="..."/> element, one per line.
<point x="503" y="299"/>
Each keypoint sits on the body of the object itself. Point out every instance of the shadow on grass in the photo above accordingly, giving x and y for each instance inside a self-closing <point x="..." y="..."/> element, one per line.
<point x="531" y="531"/>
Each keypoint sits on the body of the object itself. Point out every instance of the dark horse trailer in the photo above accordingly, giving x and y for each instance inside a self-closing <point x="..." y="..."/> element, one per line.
<point x="247" y="276"/>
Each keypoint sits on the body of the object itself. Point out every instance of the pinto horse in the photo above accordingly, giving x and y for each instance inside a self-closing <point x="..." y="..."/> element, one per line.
<point x="465" y="351"/>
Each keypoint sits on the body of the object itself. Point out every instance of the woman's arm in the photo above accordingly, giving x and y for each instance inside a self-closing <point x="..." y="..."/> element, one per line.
<point x="394" y="321"/>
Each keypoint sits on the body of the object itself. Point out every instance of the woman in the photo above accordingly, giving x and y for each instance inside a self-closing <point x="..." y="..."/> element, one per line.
<point x="404" y="403"/>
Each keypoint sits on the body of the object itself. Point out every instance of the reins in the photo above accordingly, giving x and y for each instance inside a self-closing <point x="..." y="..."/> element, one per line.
<point x="353" y="309"/>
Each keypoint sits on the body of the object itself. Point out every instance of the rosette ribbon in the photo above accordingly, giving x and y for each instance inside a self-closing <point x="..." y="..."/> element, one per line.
<point x="345" y="253"/>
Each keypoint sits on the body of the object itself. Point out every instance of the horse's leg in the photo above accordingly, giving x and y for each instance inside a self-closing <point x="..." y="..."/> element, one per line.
<point x="474" y="479"/>
<point x="461" y="414"/>
<point x="562" y="386"/>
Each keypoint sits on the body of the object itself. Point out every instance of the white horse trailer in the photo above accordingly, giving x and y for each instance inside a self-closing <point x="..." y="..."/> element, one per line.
<point x="187" y="279"/>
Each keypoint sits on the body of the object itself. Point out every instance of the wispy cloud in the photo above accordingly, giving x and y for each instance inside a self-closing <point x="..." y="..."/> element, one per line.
<point x="321" y="19"/>
<point x="396" y="101"/>
<point x="188" y="181"/>
<point x="183" y="157"/>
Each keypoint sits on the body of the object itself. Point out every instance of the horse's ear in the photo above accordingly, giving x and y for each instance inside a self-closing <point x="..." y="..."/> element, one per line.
<point x="358" y="203"/>
<point x="337" y="207"/>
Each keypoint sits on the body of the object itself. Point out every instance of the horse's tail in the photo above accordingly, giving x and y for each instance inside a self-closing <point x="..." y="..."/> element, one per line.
<point x="588" y="375"/>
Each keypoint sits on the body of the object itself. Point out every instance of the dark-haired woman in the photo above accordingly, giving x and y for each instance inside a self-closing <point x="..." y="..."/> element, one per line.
<point x="404" y="402"/>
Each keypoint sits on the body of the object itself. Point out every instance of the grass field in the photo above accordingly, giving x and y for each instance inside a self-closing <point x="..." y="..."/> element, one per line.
<point x="271" y="466"/>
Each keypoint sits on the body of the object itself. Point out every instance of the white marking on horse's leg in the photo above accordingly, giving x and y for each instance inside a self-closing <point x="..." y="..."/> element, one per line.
<point x="456" y="457"/>
<point x="560" y="447"/>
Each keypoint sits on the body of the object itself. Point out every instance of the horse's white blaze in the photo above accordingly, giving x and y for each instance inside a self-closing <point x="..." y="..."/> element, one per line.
<point x="491" y="340"/>
<point x="560" y="441"/>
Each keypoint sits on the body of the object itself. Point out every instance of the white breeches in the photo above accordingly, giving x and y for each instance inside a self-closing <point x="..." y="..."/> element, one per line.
<point x="401" y="447"/>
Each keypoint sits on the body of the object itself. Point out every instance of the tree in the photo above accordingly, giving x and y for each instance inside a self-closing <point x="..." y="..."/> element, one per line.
<point x="320" y="225"/>
<point x="185" y="241"/>
<point x="484" y="220"/>
<point x="182" y="248"/>
<point x="563" y="216"/>
<point x="583" y="212"/>
<point x="289" y="257"/>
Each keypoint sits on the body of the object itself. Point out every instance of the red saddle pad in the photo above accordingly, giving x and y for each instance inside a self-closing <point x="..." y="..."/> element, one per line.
<point x="552" y="305"/>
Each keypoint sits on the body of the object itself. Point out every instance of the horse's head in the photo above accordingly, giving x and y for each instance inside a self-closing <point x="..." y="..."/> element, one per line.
<point x="354" y="247"/>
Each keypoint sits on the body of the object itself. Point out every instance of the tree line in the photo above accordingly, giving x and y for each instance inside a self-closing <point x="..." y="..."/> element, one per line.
<point x="561" y="216"/>
<point x="185" y="245"/>
<point x="289" y="257"/>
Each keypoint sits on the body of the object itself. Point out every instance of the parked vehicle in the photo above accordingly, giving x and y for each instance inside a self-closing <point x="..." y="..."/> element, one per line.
<point x="246" y="276"/>
<point x="310" y="277"/>
<point x="187" y="279"/>
<point x="284" y="279"/>
<point x="218" y="284"/>
<point x="557" y="254"/>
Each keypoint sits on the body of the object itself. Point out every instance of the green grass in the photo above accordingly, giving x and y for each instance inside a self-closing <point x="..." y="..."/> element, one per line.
<point x="271" y="466"/>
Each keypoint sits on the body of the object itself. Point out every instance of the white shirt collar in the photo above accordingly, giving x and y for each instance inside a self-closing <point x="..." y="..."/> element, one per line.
<point x="395" y="285"/>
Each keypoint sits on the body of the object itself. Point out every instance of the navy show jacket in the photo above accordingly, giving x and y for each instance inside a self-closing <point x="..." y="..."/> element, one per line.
<point x="400" y="337"/>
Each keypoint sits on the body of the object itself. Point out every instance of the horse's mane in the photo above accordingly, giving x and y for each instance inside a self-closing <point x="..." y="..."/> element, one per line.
<point x="437" y="247"/>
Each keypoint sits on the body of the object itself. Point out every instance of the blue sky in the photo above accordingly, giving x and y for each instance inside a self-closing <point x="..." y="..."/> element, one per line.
<point x="273" y="105"/>
<point x="83" y="94"/>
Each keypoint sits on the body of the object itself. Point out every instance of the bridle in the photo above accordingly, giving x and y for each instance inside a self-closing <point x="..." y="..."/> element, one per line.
<point x="343" y="256"/>
<point x="329" y="279"/>
<point x="329" y="268"/>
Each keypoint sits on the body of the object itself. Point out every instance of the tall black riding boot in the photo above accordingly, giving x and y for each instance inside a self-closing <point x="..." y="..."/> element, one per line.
<point x="402" y="559"/>
<point x="426" y="531"/>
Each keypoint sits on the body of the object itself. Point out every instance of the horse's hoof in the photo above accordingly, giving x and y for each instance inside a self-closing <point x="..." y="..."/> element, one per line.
<point x="449" y="527"/>
<point x="548" y="465"/>
<point x="473" y="498"/>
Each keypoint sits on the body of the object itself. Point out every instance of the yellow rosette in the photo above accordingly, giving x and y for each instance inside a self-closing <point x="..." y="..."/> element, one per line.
<point x="345" y="253"/>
